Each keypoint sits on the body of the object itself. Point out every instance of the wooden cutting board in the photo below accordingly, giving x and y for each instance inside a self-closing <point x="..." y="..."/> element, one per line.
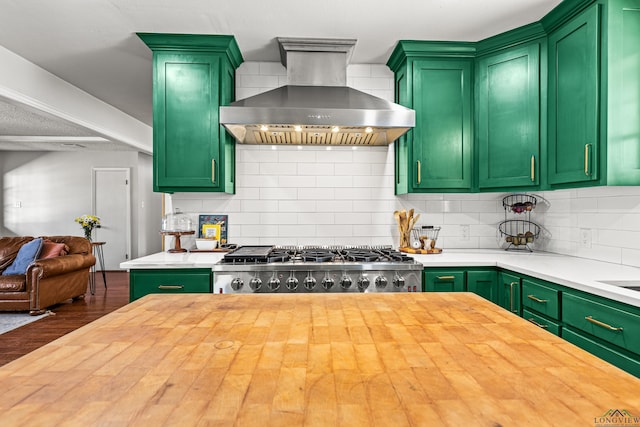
<point x="400" y="359"/>
<point x="421" y="251"/>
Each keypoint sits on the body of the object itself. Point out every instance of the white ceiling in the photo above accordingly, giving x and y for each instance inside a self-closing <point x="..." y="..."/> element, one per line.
<point x="92" y="43"/>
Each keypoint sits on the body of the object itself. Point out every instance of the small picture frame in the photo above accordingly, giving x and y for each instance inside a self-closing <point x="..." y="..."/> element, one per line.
<point x="220" y="227"/>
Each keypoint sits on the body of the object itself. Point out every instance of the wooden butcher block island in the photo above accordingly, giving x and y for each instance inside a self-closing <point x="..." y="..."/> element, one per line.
<point x="420" y="359"/>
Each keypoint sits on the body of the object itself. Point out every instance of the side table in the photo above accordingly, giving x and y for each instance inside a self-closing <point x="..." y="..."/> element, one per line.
<point x="96" y="248"/>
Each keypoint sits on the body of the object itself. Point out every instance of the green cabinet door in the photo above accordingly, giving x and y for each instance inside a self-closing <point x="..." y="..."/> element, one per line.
<point x="441" y="157"/>
<point x="508" y="111"/>
<point x="169" y="281"/>
<point x="186" y="128"/>
<point x="509" y="292"/>
<point x="483" y="283"/>
<point x="192" y="76"/>
<point x="402" y="145"/>
<point x="437" y="280"/>
<point x="574" y="81"/>
<point x="623" y="93"/>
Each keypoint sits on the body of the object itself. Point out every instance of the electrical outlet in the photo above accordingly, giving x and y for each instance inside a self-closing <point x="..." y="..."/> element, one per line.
<point x="18" y="204"/>
<point x="585" y="237"/>
<point x="464" y="232"/>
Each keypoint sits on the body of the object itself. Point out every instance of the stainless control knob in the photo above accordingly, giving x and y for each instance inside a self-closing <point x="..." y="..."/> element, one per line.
<point x="327" y="283"/>
<point x="274" y="284"/>
<point x="363" y="283"/>
<point x="345" y="282"/>
<point x="255" y="284"/>
<point x="398" y="281"/>
<point x="292" y="283"/>
<point x="381" y="282"/>
<point x="310" y="283"/>
<point x="236" y="284"/>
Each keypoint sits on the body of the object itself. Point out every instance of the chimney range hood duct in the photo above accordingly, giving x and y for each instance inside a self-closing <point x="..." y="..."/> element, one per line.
<point x="316" y="107"/>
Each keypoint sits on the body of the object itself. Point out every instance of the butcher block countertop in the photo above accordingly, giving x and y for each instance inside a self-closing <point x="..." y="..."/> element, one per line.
<point x="420" y="359"/>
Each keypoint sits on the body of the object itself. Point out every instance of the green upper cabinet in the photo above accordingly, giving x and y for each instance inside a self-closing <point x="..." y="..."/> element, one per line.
<point x="508" y="118"/>
<point x="192" y="76"/>
<point x="442" y="136"/>
<point x="574" y="60"/>
<point x="623" y="93"/>
<point x="594" y="93"/>
<point x="435" y="79"/>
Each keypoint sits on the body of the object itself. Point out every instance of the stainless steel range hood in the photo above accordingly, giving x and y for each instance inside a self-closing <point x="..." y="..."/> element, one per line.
<point x="316" y="107"/>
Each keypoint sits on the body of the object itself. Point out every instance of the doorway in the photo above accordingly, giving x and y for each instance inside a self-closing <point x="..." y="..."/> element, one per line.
<point x="112" y="204"/>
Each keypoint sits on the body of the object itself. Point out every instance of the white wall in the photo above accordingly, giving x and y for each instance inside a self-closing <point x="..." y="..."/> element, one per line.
<point x="313" y="195"/>
<point x="53" y="188"/>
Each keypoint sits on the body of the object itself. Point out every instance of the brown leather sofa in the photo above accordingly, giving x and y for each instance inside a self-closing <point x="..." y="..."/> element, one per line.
<point x="47" y="281"/>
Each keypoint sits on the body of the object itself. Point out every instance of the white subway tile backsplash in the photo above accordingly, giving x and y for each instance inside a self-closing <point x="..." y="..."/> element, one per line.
<point x="279" y="217"/>
<point x="358" y="70"/>
<point x="277" y="193"/>
<point x="297" y="231"/>
<point x="376" y="83"/>
<point x="297" y="206"/>
<point x="260" y="206"/>
<point x="318" y="193"/>
<point x="247" y="68"/>
<point x="381" y="70"/>
<point x="261" y="81"/>
<point x="272" y="68"/>
<point x="316" y="218"/>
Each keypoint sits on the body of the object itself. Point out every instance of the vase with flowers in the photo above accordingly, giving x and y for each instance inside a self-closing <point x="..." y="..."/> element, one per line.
<point x="88" y="223"/>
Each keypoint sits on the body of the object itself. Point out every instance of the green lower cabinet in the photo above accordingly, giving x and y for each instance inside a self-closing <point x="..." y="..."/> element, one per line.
<point x="541" y="297"/>
<point x="509" y="291"/>
<point x="613" y="325"/>
<point x="436" y="280"/>
<point x="483" y="283"/>
<point x="623" y="360"/>
<point x="169" y="281"/>
<point x="542" y="322"/>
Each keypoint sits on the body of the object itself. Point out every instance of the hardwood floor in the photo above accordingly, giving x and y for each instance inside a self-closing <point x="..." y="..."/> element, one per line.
<point x="68" y="316"/>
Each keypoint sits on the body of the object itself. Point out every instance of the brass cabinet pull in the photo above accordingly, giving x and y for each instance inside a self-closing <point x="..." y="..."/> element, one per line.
<point x="170" y="286"/>
<point x="511" y="285"/>
<point x="213" y="170"/>
<point x="419" y="173"/>
<point x="446" y="277"/>
<point x="533" y="168"/>
<point x="599" y="323"/>
<point x="537" y="324"/>
<point x="587" y="152"/>
<point x="531" y="297"/>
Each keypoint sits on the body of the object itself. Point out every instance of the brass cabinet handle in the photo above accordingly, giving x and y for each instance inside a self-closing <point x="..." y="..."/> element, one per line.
<point x="537" y="324"/>
<point x="446" y="277"/>
<point x="531" y="297"/>
<point x="587" y="152"/>
<point x="419" y="173"/>
<point x="599" y="323"/>
<point x="511" y="285"/>
<point x="213" y="170"/>
<point x="533" y="168"/>
<point x="170" y="286"/>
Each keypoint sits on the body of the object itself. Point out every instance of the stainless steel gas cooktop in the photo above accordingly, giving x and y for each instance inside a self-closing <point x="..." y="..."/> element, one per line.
<point x="281" y="269"/>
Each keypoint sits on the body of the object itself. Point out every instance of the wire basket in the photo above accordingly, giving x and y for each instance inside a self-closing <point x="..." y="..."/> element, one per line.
<point x="426" y="235"/>
<point x="519" y="233"/>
